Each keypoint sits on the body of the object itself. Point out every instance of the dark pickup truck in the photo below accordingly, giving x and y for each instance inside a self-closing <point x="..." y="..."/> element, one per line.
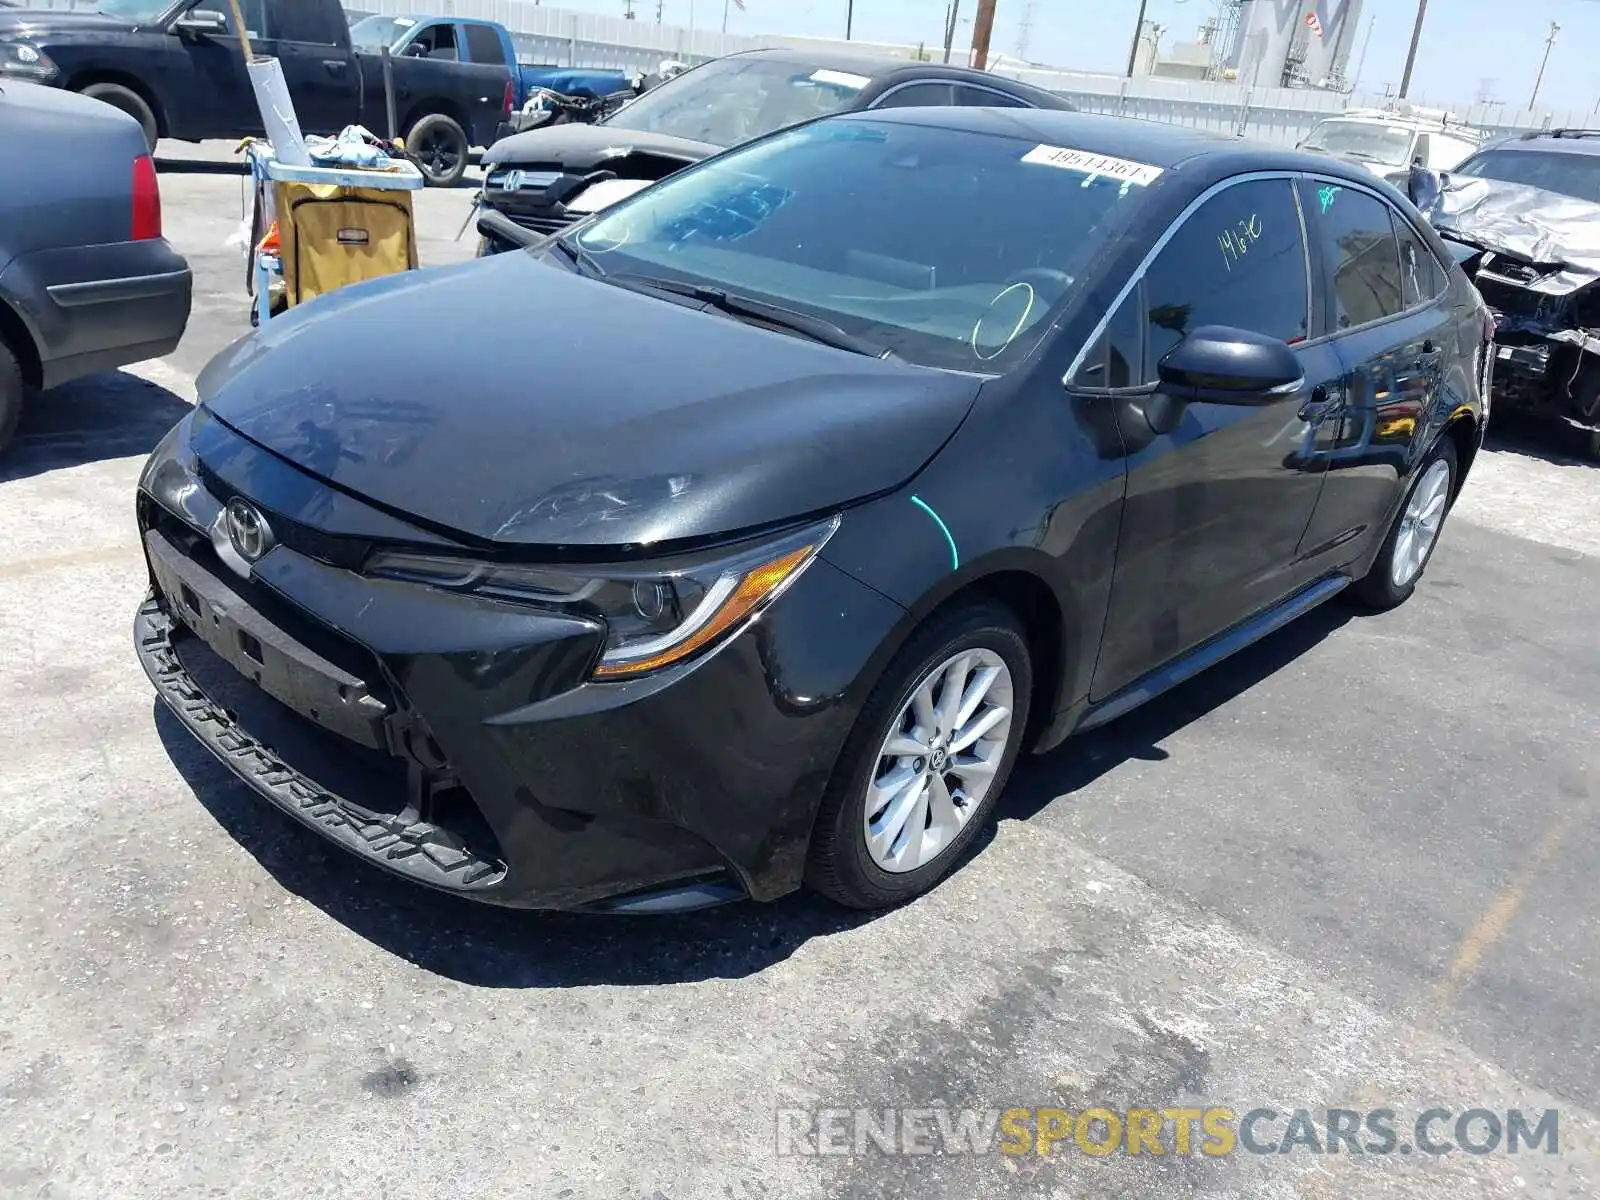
<point x="176" y="67"/>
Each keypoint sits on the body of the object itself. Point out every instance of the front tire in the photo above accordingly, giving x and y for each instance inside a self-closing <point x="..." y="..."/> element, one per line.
<point x="927" y="760"/>
<point x="439" y="148"/>
<point x="130" y="102"/>
<point x="1414" y="535"/>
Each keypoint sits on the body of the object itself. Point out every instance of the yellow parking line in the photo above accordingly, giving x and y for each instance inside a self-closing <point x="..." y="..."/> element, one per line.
<point x="1496" y="918"/>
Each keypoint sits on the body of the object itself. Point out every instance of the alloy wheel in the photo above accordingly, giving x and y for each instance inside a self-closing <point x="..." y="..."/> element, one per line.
<point x="939" y="760"/>
<point x="1419" y="525"/>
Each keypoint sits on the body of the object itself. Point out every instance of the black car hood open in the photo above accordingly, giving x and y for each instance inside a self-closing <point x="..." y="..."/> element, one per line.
<point x="586" y="147"/>
<point x="510" y="400"/>
<point x="1526" y="222"/>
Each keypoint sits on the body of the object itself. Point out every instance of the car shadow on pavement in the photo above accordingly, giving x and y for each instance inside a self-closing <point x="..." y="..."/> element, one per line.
<point x="1054" y="777"/>
<point x="1543" y="440"/>
<point x="113" y="415"/>
<point x="486" y="946"/>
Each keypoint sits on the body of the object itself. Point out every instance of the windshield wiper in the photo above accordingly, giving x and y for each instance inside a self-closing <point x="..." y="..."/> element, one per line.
<point x="579" y="257"/>
<point x="815" y="328"/>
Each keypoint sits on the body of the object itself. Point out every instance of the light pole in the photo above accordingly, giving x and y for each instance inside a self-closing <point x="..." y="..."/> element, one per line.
<point x="849" y="18"/>
<point x="1138" y="33"/>
<point x="1548" y="43"/>
<point x="950" y="18"/>
<point x="1411" y="55"/>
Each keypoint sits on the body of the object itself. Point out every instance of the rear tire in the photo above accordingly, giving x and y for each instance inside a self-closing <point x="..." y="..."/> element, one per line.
<point x="1401" y="561"/>
<point x="130" y="102"/>
<point x="10" y="395"/>
<point x="911" y="853"/>
<point x="439" y="148"/>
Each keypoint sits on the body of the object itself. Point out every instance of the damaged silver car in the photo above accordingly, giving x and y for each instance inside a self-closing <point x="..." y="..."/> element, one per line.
<point x="1523" y="217"/>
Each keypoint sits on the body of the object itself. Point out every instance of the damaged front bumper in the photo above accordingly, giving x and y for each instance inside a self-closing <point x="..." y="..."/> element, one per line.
<point x="1547" y="337"/>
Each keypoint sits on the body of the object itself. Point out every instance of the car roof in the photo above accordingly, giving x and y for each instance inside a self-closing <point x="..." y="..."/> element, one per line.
<point x="1154" y="143"/>
<point x="1568" y="141"/>
<point x="878" y="66"/>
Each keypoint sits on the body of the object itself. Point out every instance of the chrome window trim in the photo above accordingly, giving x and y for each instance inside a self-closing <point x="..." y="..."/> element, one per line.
<point x="952" y="84"/>
<point x="1171" y="231"/>
<point x="983" y="87"/>
<point x="911" y="83"/>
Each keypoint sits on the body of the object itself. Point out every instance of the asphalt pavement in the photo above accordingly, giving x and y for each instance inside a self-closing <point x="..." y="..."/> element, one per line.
<point x="1353" y="868"/>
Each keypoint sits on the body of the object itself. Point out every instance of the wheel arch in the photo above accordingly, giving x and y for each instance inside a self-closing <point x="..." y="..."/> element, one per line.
<point x="1464" y="429"/>
<point x="18" y="338"/>
<point x="1020" y="581"/>
<point x="437" y="106"/>
<point x="93" y="75"/>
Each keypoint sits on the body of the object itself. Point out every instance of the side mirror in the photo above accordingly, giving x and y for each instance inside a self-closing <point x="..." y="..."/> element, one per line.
<point x="1423" y="186"/>
<point x="1220" y="365"/>
<point x="201" y="22"/>
<point x="414" y="50"/>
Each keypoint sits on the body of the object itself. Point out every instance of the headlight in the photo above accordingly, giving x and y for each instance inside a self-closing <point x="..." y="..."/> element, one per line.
<point x="655" y="615"/>
<point x="19" y="59"/>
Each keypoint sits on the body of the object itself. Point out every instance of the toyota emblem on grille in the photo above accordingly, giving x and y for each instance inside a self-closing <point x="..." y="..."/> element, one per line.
<point x="248" y="530"/>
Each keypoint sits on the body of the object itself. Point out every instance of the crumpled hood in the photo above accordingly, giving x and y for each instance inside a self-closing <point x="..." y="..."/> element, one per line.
<point x="509" y="400"/>
<point x="582" y="147"/>
<point x="1527" y="222"/>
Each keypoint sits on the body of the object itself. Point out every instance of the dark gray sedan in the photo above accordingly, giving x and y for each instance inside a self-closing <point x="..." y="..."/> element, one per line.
<point x="87" y="282"/>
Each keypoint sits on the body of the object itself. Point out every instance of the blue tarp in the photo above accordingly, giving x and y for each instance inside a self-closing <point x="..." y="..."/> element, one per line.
<point x="571" y="82"/>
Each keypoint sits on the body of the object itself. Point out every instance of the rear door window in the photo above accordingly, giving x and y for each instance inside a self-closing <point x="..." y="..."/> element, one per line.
<point x="1360" y="250"/>
<point x="918" y="95"/>
<point x="483" y="46"/>
<point x="1421" y="276"/>
<point x="1238" y="260"/>
<point x="977" y="97"/>
<point x="316" y="24"/>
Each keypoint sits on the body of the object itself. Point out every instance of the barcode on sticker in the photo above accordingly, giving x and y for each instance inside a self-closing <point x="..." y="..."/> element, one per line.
<point x="1094" y="164"/>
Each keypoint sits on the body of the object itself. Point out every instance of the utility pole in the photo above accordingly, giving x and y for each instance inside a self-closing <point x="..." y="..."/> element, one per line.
<point x="1411" y="55"/>
<point x="1138" y="35"/>
<point x="951" y="14"/>
<point x="1025" y="30"/>
<point x="849" y="18"/>
<point x="982" y="30"/>
<point x="1548" y="43"/>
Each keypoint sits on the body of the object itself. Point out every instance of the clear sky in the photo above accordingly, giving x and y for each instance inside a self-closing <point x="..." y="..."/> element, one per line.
<point x="1467" y="45"/>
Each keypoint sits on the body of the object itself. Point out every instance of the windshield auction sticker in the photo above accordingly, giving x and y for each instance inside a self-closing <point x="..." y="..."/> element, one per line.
<point x="1094" y="164"/>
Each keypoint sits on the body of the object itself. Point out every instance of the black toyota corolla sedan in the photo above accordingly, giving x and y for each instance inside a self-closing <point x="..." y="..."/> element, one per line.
<point x="836" y="472"/>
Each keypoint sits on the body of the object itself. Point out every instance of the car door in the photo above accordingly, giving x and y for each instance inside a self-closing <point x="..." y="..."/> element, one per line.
<point x="314" y="52"/>
<point x="220" y="96"/>
<point x="1218" y="496"/>
<point x="1392" y="325"/>
<point x="489" y="73"/>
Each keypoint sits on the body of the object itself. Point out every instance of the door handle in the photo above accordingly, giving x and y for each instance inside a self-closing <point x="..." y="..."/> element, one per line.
<point x="335" y="66"/>
<point x="1323" y="403"/>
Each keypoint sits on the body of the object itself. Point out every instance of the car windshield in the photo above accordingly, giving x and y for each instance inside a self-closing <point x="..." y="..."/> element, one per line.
<point x="950" y="248"/>
<point x="137" y="12"/>
<point x="374" y="33"/>
<point x="732" y="100"/>
<point x="1363" y="140"/>
<point x="1576" y="175"/>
